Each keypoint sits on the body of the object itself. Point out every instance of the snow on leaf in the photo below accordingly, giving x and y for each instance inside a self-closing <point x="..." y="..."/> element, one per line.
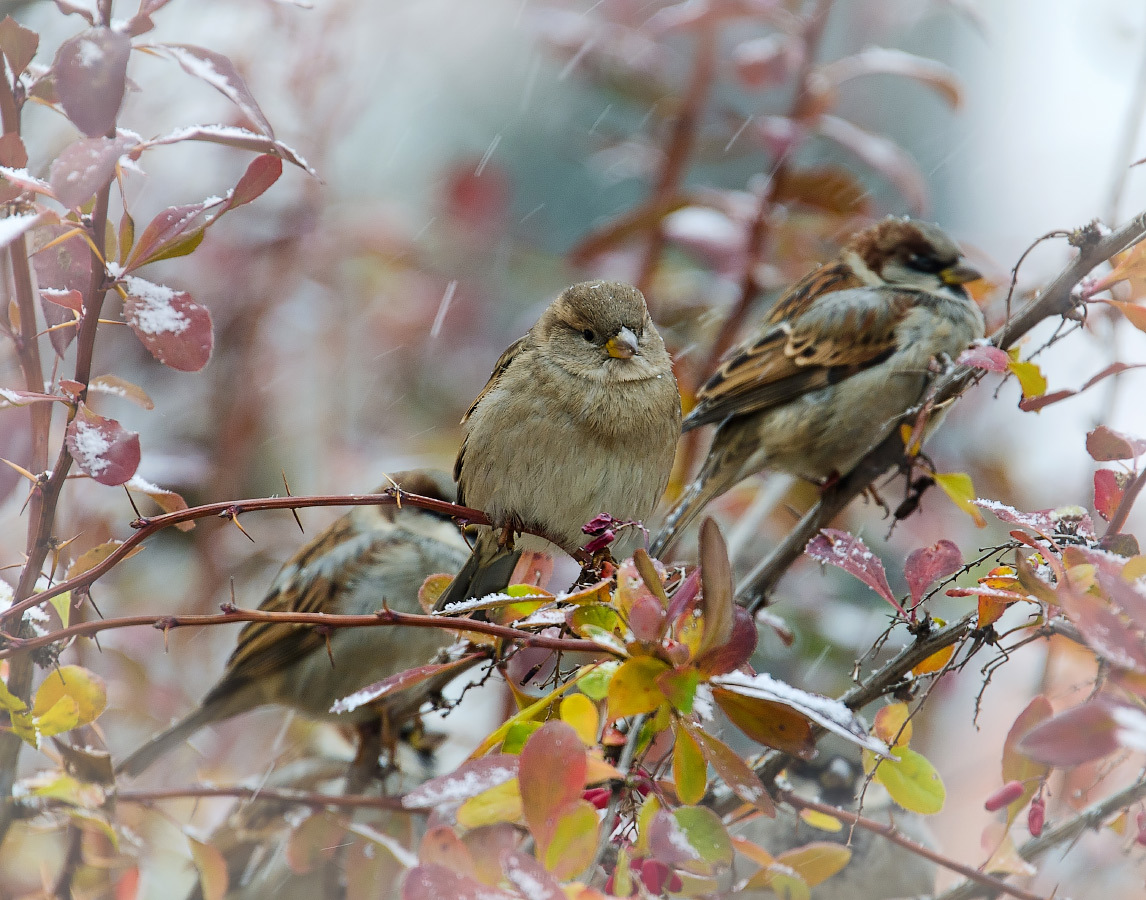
<point x="90" y="76"/>
<point x="403" y="681"/>
<point x="219" y="72"/>
<point x="233" y="136"/>
<point x="467" y="780"/>
<point x="102" y="448"/>
<point x="172" y="326"/>
<point x="87" y="166"/>
<point x="14" y="226"/>
<point x="848" y="552"/>
<point x="824" y="711"/>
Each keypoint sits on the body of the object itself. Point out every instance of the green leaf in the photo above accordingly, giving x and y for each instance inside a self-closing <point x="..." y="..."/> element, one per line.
<point x="574" y="841"/>
<point x="911" y="780"/>
<point x="594" y="683"/>
<point x="689" y="769"/>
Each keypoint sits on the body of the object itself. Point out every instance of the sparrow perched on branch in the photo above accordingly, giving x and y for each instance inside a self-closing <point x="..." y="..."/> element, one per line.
<point x="580" y="417"/>
<point x="374" y="556"/>
<point x="835" y="364"/>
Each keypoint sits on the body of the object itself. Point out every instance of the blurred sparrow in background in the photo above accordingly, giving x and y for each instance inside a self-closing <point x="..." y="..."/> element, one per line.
<point x="835" y="364"/>
<point x="580" y="417"/>
<point x="373" y="556"/>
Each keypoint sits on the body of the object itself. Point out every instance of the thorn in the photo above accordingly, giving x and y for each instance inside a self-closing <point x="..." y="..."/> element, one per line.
<point x="88" y="595"/>
<point x="396" y="488"/>
<point x="234" y="516"/>
<point x="32" y="478"/>
<point x="131" y="500"/>
<point x="329" y="652"/>
<point x="293" y="511"/>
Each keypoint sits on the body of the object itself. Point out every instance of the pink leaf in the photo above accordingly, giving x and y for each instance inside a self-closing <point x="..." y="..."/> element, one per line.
<point x="767" y="61"/>
<point x="734" y="652"/>
<point x="91" y="74"/>
<point x="261" y="174"/>
<point x="168" y="230"/>
<point x="18" y="44"/>
<point x="102" y="448"/>
<point x="220" y="73"/>
<point x="172" y="326"/>
<point x="882" y="60"/>
<point x="838" y="548"/>
<point x="232" y="136"/>
<point x="1105" y="444"/>
<point x="63" y="272"/>
<point x="927" y="565"/>
<point x="984" y="356"/>
<point x="436" y="882"/>
<point x="86" y="167"/>
<point x="530" y="877"/>
<point x="551" y="777"/>
<point x="1076" y="736"/>
<point x="1107" y="493"/>
<point x="466" y="781"/>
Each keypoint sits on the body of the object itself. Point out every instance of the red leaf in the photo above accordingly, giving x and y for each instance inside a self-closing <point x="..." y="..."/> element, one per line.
<point x="928" y="564"/>
<point x="838" y="548"/>
<point x="90" y="75"/>
<point x="1107" y="492"/>
<point x="167" y="230"/>
<point x="401" y="682"/>
<point x="172" y="326"/>
<point x="1105" y="444"/>
<point x="102" y="448"/>
<point x="18" y="44"/>
<point x="1073" y="737"/>
<point x="551" y="776"/>
<point x="219" y="72"/>
<point x="64" y="270"/>
<point x="261" y="174"/>
<point x="232" y="136"/>
<point x="87" y="166"/>
<point x="984" y="356"/>
<point x="734" y="652"/>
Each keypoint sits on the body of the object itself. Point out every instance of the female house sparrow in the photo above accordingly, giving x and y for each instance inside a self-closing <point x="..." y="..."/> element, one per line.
<point x="835" y="363"/>
<point x="373" y="555"/>
<point x="580" y="417"/>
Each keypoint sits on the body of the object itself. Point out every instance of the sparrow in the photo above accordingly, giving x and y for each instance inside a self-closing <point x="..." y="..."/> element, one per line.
<point x="580" y="417"/>
<point x="835" y="364"/>
<point x="371" y="557"/>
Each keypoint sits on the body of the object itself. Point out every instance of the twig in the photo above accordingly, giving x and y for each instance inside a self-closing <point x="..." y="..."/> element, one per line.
<point x="892" y="834"/>
<point x="608" y="822"/>
<point x="1090" y="818"/>
<point x="1056" y="300"/>
<point x="146" y="527"/>
<point x="383" y="617"/>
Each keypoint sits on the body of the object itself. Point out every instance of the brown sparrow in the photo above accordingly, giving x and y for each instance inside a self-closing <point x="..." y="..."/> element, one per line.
<point x="580" y="417"/>
<point x="371" y="557"/>
<point x="835" y="364"/>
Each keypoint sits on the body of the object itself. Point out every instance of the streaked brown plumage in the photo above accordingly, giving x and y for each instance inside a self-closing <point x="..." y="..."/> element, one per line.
<point x="371" y="557"/>
<point x="835" y="363"/>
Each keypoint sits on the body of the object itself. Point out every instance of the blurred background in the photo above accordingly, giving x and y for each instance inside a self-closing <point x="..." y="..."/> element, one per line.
<point x="466" y="151"/>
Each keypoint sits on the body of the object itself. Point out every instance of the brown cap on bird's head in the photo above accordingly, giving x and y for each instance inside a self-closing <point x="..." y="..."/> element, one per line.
<point x="920" y="247"/>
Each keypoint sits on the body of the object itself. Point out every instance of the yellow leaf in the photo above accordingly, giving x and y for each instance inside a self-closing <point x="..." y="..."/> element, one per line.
<point x="816" y="862"/>
<point x="911" y="780"/>
<point x="86" y="688"/>
<point x="501" y="803"/>
<point x="757" y="854"/>
<point x="530" y="712"/>
<point x="958" y="486"/>
<point x="598" y="770"/>
<point x="580" y="713"/>
<point x="821" y="821"/>
<point x="1031" y="378"/>
<point x="574" y="841"/>
<point x="63" y="716"/>
<point x="633" y="689"/>
<point x="212" y="869"/>
<point x="893" y="725"/>
<point x="1135" y="568"/>
<point x="649" y="809"/>
<point x="10" y="701"/>
<point x="935" y="661"/>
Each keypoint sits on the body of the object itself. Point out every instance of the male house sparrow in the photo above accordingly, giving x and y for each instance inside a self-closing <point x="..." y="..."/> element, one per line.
<point x="842" y="355"/>
<point x="370" y="557"/>
<point x="580" y="417"/>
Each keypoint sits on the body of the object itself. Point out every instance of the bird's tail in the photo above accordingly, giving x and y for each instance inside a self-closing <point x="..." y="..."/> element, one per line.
<point x="487" y="571"/>
<point x="167" y="740"/>
<point x="714" y="479"/>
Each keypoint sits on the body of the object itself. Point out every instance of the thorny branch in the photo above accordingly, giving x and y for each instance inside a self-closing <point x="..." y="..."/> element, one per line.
<point x="1057" y="299"/>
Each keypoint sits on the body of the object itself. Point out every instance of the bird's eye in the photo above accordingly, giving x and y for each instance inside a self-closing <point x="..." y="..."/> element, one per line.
<point x="590" y="335"/>
<point x="923" y="263"/>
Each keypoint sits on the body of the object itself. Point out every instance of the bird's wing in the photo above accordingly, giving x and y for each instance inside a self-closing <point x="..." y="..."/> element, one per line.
<point x="837" y="334"/>
<point x="504" y="362"/>
<point x="265" y="648"/>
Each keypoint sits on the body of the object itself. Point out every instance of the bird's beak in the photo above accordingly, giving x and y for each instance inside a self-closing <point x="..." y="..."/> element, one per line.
<point x="622" y="345"/>
<point x="960" y="273"/>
